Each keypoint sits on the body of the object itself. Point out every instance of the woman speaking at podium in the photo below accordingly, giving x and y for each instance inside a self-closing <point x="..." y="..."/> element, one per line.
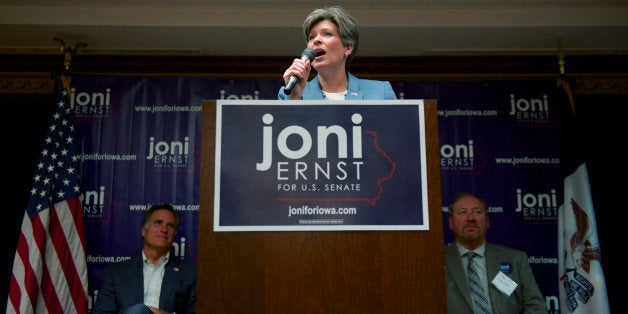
<point x="332" y="37"/>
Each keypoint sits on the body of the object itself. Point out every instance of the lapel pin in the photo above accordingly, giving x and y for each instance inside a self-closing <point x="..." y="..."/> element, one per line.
<point x="505" y="267"/>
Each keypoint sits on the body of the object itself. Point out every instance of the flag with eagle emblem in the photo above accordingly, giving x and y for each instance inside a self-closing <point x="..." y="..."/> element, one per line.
<point x="581" y="285"/>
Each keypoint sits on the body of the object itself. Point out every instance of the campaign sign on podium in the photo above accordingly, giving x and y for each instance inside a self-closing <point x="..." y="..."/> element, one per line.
<point x="320" y="165"/>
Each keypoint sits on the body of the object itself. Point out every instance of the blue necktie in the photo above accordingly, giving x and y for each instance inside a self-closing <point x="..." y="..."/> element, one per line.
<point x="480" y="299"/>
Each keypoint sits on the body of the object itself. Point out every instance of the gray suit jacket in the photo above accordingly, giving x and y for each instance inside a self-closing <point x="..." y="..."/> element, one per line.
<point x="359" y="89"/>
<point x="526" y="298"/>
<point x="123" y="286"/>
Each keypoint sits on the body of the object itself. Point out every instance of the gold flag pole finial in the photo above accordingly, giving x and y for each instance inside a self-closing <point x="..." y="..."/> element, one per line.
<point x="562" y="80"/>
<point x="69" y="52"/>
<point x="561" y="59"/>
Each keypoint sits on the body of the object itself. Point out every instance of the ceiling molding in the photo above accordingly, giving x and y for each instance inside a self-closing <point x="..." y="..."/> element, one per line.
<point x="273" y="28"/>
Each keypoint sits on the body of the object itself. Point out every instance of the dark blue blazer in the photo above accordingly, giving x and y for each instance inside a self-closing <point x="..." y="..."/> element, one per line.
<point x="123" y="286"/>
<point x="359" y="89"/>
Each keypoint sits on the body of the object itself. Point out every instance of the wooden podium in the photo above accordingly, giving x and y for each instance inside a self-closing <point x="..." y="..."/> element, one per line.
<point x="320" y="271"/>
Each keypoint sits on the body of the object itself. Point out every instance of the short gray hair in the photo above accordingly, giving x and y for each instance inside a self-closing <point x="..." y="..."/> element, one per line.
<point x="345" y="23"/>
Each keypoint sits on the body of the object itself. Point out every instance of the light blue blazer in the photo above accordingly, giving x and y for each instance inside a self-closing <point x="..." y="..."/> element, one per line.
<point x="359" y="89"/>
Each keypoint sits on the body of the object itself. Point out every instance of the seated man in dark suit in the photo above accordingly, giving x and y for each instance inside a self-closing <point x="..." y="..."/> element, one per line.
<point x="155" y="281"/>
<point x="500" y="279"/>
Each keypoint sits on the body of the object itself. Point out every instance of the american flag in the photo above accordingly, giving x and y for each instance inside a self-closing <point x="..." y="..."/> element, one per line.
<point x="581" y="282"/>
<point x="49" y="269"/>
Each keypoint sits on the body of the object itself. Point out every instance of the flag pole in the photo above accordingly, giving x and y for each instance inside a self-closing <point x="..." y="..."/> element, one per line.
<point x="49" y="272"/>
<point x="562" y="78"/>
<point x="581" y="282"/>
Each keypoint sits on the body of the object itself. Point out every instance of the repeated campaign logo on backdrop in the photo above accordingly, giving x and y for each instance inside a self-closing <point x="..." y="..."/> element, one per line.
<point x="94" y="105"/>
<point x="533" y="112"/>
<point x="464" y="158"/>
<point x="172" y="155"/>
<point x="320" y="166"/>
<point x="537" y="206"/>
<point x="98" y="205"/>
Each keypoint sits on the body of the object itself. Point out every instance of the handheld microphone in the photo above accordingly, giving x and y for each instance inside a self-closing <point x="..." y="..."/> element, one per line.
<point x="308" y="54"/>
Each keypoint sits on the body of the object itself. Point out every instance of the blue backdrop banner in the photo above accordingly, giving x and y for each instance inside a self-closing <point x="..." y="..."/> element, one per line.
<point x="139" y="140"/>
